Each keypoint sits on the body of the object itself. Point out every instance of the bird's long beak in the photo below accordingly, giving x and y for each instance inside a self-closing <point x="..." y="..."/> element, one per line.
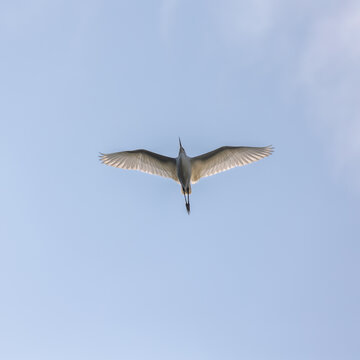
<point x="180" y="142"/>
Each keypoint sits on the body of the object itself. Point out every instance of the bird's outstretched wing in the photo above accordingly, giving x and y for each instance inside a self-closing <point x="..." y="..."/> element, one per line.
<point x="225" y="158"/>
<point x="142" y="160"/>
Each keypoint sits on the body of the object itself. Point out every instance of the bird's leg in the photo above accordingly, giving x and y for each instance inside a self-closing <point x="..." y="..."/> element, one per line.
<point x="188" y="208"/>
<point x="184" y="196"/>
<point x="188" y="202"/>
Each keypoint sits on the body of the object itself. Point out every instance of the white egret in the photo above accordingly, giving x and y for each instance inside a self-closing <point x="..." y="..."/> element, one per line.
<point x="184" y="169"/>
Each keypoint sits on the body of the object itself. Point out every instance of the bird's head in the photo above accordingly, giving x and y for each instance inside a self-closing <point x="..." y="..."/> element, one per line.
<point x="181" y="149"/>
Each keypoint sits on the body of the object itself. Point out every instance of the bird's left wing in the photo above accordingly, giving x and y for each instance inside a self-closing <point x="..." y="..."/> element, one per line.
<point x="142" y="160"/>
<point x="225" y="158"/>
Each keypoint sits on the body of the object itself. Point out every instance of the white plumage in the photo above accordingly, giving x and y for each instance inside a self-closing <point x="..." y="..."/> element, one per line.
<point x="183" y="169"/>
<point x="142" y="160"/>
<point x="226" y="158"/>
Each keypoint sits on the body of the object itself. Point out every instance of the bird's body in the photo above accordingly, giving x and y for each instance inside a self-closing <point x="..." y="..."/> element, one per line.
<point x="183" y="172"/>
<point x="184" y="169"/>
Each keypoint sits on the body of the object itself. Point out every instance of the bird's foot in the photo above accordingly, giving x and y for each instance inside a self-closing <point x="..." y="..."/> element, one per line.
<point x="188" y="208"/>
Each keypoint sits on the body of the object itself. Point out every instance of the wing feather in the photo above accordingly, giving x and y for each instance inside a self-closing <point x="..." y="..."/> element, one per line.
<point x="142" y="160"/>
<point x="225" y="158"/>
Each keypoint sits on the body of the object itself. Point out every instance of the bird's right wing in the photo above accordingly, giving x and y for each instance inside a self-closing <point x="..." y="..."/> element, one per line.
<point x="142" y="160"/>
<point x="225" y="158"/>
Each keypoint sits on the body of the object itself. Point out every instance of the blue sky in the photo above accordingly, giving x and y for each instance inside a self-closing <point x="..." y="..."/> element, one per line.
<point x="101" y="263"/>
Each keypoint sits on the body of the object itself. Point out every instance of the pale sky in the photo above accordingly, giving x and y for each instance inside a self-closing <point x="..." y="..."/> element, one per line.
<point x="103" y="263"/>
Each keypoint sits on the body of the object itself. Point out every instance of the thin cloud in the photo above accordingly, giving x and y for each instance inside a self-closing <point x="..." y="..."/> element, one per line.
<point x="167" y="17"/>
<point x="330" y="74"/>
<point x="328" y="64"/>
<point x="245" y="20"/>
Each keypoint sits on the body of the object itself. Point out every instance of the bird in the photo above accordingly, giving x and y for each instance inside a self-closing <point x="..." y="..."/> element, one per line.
<point x="184" y="169"/>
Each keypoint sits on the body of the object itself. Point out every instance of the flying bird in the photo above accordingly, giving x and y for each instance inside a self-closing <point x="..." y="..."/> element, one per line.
<point x="184" y="169"/>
